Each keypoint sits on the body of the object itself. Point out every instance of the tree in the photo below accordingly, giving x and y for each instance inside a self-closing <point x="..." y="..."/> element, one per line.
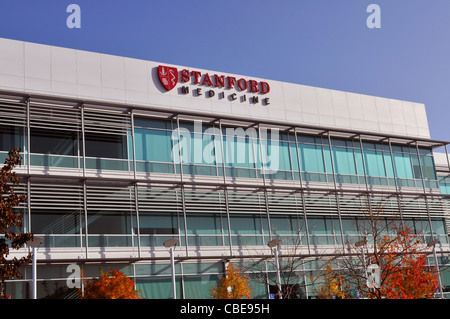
<point x="111" y="285"/>
<point x="333" y="285"/>
<point x="294" y="263"/>
<point x="407" y="277"/>
<point x="398" y="252"/>
<point x="233" y="286"/>
<point x="11" y="221"/>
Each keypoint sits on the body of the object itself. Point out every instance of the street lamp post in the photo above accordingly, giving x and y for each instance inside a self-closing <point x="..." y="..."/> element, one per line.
<point x="34" y="244"/>
<point x="171" y="243"/>
<point x="275" y="244"/>
<point x="361" y="244"/>
<point x="433" y="244"/>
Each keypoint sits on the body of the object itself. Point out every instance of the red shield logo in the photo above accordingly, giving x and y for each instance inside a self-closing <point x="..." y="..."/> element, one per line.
<point x="168" y="76"/>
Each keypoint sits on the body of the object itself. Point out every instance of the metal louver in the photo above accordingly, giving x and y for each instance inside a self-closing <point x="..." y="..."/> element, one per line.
<point x="56" y="117"/>
<point x="106" y="122"/>
<point x="110" y="198"/>
<point x="13" y="114"/>
<point x="56" y="196"/>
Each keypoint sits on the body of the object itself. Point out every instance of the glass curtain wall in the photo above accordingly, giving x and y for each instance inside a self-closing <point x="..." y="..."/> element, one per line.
<point x="248" y="152"/>
<point x="59" y="134"/>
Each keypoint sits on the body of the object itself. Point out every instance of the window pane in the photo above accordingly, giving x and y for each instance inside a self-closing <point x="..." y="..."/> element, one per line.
<point x="53" y="142"/>
<point x="311" y="158"/>
<point x="153" y="145"/>
<point x="105" y="145"/>
<point x="10" y="137"/>
<point x="344" y="161"/>
<point x="403" y="165"/>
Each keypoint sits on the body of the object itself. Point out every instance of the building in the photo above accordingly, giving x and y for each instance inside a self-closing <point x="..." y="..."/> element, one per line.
<point x="122" y="154"/>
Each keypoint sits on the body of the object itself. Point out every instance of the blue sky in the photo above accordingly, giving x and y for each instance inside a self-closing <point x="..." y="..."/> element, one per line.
<point x="324" y="43"/>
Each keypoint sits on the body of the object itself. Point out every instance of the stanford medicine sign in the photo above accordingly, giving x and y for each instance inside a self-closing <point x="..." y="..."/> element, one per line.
<point x="170" y="77"/>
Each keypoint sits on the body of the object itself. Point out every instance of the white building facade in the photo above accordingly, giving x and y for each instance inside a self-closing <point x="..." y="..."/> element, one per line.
<point x="121" y="154"/>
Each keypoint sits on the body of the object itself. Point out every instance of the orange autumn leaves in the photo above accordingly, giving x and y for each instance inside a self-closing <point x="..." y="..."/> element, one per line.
<point x="11" y="221"/>
<point x="115" y="285"/>
<point x="233" y="286"/>
<point x="408" y="277"/>
<point x="404" y="272"/>
<point x="111" y="285"/>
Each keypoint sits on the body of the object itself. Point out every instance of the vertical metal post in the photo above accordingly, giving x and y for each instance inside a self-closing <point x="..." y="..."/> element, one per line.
<point x="34" y="273"/>
<point x="277" y="263"/>
<point x="266" y="198"/>
<point x="83" y="140"/>
<point x="179" y="148"/>
<point x="136" y="205"/>
<point x="364" y="163"/>
<point x="34" y="244"/>
<point x="136" y="191"/>
<point x="29" y="203"/>
<point x="438" y="271"/>
<point x="335" y="190"/>
<point x="225" y="187"/>
<point x="424" y="191"/>
<point x="183" y="203"/>
<point x="448" y="159"/>
<point x="183" y="195"/>
<point x="133" y="143"/>
<point x="172" y="266"/>
<point x="85" y="217"/>
<point x="396" y="182"/>
<point x="28" y="138"/>
<point x="172" y="145"/>
<point x="302" y="191"/>
<point x="275" y="244"/>
<point x="365" y="175"/>
<point x="170" y="244"/>
<point x="393" y="165"/>
<point x="260" y="156"/>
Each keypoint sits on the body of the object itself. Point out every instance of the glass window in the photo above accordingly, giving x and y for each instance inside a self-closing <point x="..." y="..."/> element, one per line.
<point x="158" y="223"/>
<point x="321" y="230"/>
<point x="428" y="168"/>
<point x="403" y="165"/>
<point x="374" y="163"/>
<point x="246" y="229"/>
<point x="240" y="152"/>
<point x="153" y="145"/>
<point x="344" y="161"/>
<point x="106" y="145"/>
<point x="59" y="227"/>
<point x="55" y="222"/>
<point x="60" y="142"/>
<point x="141" y="122"/>
<point x="158" y="287"/>
<point x="104" y="222"/>
<point x="10" y="137"/>
<point x="199" y="287"/>
<point x="311" y="158"/>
